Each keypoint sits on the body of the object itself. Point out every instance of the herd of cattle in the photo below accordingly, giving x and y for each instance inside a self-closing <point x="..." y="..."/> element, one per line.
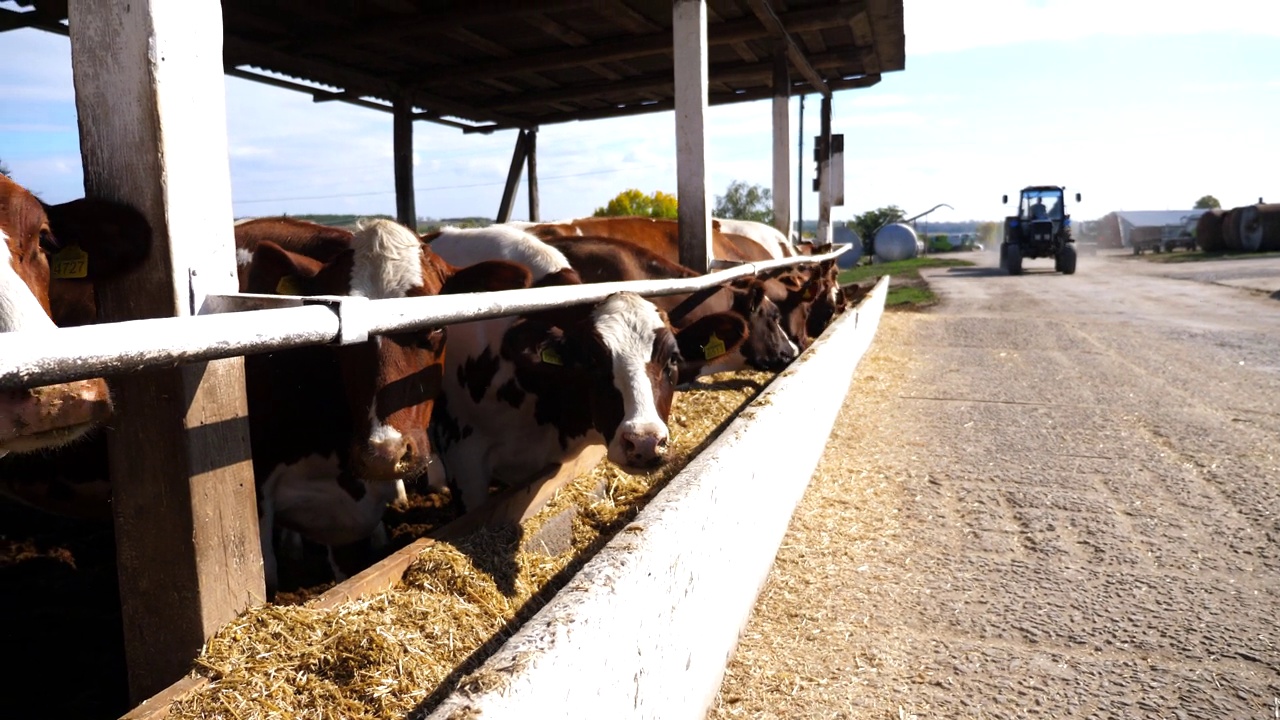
<point x="335" y="430"/>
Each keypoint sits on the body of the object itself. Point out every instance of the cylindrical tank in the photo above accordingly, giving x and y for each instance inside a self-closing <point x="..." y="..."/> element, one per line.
<point x="845" y="235"/>
<point x="1231" y="230"/>
<point x="1259" y="227"/>
<point x="896" y="242"/>
<point x="1209" y="231"/>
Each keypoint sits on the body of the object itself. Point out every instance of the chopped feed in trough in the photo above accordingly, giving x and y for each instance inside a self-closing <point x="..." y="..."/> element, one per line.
<point x="402" y="651"/>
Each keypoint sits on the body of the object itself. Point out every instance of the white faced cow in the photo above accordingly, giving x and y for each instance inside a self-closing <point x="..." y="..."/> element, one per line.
<point x="523" y="395"/>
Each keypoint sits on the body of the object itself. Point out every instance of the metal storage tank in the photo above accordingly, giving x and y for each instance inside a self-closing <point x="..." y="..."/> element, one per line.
<point x="896" y="242"/>
<point x="845" y="235"/>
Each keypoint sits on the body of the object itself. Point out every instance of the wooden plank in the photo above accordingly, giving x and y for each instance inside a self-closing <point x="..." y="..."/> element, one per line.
<point x="149" y="91"/>
<point x="689" y="46"/>
<point x="379" y="577"/>
<point x="781" y="142"/>
<point x="402" y="152"/>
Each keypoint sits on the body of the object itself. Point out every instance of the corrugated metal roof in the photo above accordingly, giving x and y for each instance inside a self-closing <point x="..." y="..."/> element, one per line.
<point x="1156" y="218"/>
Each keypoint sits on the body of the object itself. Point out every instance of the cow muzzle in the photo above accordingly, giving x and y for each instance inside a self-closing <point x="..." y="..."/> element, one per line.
<point x="53" y="415"/>
<point x="640" y="448"/>
<point x="389" y="456"/>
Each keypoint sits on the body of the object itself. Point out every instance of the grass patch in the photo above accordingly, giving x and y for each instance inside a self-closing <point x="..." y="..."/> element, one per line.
<point x="900" y="269"/>
<point x="907" y="290"/>
<point x="1202" y="256"/>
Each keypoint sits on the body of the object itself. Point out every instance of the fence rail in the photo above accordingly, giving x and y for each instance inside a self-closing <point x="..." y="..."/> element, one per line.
<point x="31" y="358"/>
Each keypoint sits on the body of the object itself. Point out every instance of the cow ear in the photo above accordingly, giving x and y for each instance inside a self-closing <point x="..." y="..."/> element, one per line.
<point x="111" y="238"/>
<point x="531" y="344"/>
<point x="487" y="276"/>
<point x="276" y="271"/>
<point x="710" y="337"/>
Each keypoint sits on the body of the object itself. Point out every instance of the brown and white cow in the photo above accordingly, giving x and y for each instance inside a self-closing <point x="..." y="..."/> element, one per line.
<point x="334" y="428"/>
<point x="662" y="237"/>
<point x="524" y="394"/>
<point x="767" y="346"/>
<point x="42" y="418"/>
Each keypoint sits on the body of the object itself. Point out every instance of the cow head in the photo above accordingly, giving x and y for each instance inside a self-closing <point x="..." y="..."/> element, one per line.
<point x="613" y="368"/>
<point x="392" y="381"/>
<point x="43" y="417"/>
<point x="767" y="347"/>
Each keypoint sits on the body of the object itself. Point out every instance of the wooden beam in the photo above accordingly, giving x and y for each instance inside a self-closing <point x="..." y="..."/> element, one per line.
<point x="823" y="236"/>
<point x="776" y="27"/>
<point x="402" y="152"/>
<point x="626" y="48"/>
<point x="535" y="213"/>
<point x="149" y="92"/>
<point x="760" y="73"/>
<point x="689" y="53"/>
<point x="664" y="105"/>
<point x="513" y="177"/>
<point x="781" y="142"/>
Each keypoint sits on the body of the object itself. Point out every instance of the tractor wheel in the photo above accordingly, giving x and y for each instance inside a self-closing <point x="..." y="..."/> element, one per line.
<point x="1013" y="260"/>
<point x="1004" y="255"/>
<point x="1065" y="261"/>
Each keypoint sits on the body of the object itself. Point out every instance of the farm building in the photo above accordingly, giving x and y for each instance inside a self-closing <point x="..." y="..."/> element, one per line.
<point x="1116" y="229"/>
<point x="148" y="92"/>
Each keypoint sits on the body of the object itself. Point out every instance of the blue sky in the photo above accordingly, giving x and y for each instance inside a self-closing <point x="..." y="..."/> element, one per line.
<point x="1135" y="104"/>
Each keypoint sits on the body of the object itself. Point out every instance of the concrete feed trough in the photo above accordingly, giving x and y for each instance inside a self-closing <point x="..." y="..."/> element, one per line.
<point x="646" y="627"/>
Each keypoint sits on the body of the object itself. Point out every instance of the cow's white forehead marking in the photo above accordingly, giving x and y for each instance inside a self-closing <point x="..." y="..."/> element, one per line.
<point x="387" y="260"/>
<point x="19" y="308"/>
<point x="243" y="257"/>
<point x="628" y="324"/>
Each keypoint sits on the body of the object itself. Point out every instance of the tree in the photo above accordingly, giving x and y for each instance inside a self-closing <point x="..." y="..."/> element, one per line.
<point x="1207" y="202"/>
<point x="634" y="202"/>
<point x="745" y="202"/>
<point x="870" y="221"/>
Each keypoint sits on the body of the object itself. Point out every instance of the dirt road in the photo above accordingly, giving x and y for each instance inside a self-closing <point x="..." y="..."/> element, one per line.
<point x="1049" y="496"/>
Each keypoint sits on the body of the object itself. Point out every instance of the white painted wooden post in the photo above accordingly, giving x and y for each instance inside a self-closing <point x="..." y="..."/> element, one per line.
<point x="823" y="236"/>
<point x="689" y="44"/>
<point x="781" y="141"/>
<point x="149" y="92"/>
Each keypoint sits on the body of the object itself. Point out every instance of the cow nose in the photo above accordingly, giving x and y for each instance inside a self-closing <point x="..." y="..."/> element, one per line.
<point x="389" y="455"/>
<point x="645" y="448"/>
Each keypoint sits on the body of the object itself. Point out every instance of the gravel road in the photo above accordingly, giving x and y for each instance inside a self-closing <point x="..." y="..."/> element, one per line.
<point x="1050" y="496"/>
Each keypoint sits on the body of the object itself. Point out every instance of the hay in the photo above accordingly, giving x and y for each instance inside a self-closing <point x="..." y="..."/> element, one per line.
<point x="403" y="651"/>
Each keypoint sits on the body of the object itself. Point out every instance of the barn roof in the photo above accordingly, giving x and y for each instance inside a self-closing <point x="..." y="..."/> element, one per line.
<point x="485" y="65"/>
<point x="1157" y="218"/>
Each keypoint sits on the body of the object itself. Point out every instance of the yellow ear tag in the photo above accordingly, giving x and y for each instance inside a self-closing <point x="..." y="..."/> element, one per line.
<point x="551" y="357"/>
<point x="288" y="285"/>
<point x="69" y="262"/>
<point x="714" y="348"/>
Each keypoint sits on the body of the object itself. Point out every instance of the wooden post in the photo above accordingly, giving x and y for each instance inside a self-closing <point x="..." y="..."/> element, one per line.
<point x="781" y="141"/>
<point x="149" y="91"/>
<point x="824" y="177"/>
<point x="513" y="177"/>
<point x="402" y="150"/>
<point x="689" y="45"/>
<point x="535" y="213"/>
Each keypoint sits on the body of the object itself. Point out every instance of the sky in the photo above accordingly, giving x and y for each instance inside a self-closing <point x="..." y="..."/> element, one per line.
<point x="1135" y="104"/>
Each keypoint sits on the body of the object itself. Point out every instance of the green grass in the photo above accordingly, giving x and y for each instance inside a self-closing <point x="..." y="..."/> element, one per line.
<point x="900" y="270"/>
<point x="907" y="290"/>
<point x="910" y="297"/>
<point x="1181" y="256"/>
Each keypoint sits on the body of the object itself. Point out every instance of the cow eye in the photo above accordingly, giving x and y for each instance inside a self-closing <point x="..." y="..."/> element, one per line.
<point x="47" y="241"/>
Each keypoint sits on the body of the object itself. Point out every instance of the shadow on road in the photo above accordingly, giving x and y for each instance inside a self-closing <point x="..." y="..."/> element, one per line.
<point x="976" y="271"/>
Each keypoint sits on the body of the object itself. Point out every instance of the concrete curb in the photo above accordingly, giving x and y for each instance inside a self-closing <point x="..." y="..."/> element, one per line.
<point x="646" y="628"/>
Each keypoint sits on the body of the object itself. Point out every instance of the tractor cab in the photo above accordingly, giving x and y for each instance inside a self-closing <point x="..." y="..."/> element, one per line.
<point x="1042" y="228"/>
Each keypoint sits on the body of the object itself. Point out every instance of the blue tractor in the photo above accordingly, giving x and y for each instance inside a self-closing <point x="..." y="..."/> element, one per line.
<point x="1042" y="228"/>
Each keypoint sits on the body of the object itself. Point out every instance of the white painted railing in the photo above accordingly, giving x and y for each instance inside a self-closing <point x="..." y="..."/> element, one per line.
<point x="31" y="358"/>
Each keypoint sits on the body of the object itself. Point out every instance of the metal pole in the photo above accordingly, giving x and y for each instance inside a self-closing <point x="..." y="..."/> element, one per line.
<point x="800" y="176"/>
